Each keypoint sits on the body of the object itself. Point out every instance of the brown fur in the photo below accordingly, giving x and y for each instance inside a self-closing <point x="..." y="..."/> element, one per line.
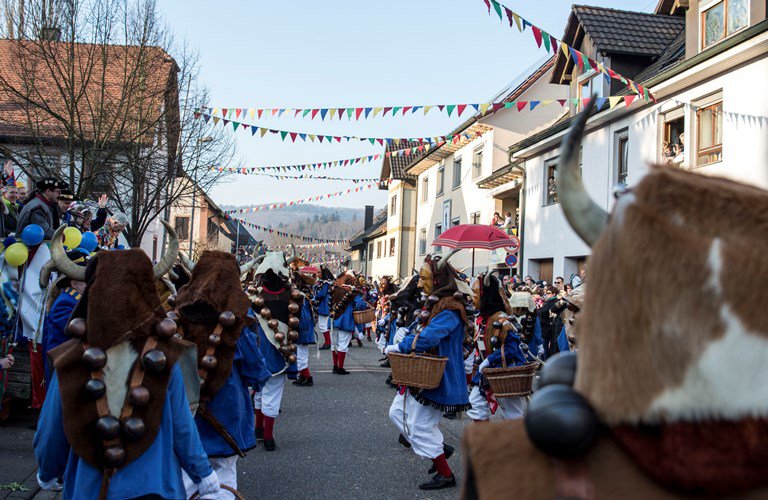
<point x="649" y="312"/>
<point x="505" y="464"/>
<point x="216" y="282"/>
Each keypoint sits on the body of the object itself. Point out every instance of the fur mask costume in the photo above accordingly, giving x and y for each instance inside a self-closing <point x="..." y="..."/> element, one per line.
<point x="113" y="374"/>
<point x="344" y="290"/>
<point x="445" y="289"/>
<point x="386" y="287"/>
<point x="213" y="297"/>
<point x="406" y="300"/>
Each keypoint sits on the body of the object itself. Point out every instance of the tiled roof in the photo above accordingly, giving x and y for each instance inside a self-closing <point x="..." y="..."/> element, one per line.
<point x="673" y="54"/>
<point x="395" y="166"/>
<point x="626" y="32"/>
<point x="361" y="237"/>
<point x="130" y="100"/>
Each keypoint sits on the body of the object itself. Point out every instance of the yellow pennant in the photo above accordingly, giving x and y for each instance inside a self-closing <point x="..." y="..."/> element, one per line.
<point x="517" y="22"/>
<point x="263" y="131"/>
<point x="216" y="120"/>
<point x="564" y="48"/>
<point x="484" y="107"/>
<point x="312" y="137"/>
<point x="376" y="111"/>
<point x="251" y="112"/>
<point x="547" y="102"/>
<point x="427" y="108"/>
<point x="614" y="100"/>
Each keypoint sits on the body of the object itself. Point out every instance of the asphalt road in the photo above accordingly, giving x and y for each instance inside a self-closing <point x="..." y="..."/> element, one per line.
<point x="334" y="441"/>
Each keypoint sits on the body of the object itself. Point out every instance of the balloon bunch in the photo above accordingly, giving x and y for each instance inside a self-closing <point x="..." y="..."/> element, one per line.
<point x="17" y="252"/>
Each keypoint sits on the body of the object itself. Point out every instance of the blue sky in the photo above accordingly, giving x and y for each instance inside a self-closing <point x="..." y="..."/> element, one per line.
<point x="343" y="53"/>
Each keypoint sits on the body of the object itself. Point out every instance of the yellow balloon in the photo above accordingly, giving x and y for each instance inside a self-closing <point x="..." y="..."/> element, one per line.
<point x="72" y="237"/>
<point x="16" y="254"/>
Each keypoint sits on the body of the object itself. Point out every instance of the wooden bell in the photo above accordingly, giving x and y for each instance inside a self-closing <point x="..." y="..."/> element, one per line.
<point x="134" y="428"/>
<point x="154" y="361"/>
<point x="138" y="396"/>
<point x="166" y="328"/>
<point x="95" y="358"/>
<point x="107" y="427"/>
<point x="227" y="319"/>
<point x="77" y="328"/>
<point x="95" y="388"/>
<point x="114" y="456"/>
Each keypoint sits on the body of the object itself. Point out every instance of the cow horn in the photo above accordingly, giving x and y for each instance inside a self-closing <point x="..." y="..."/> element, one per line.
<point x="487" y="279"/>
<point x="443" y="261"/>
<point x="188" y="263"/>
<point x="582" y="213"/>
<point x="293" y="253"/>
<point x="169" y="258"/>
<point x="249" y="265"/>
<point x="60" y="259"/>
<point x="45" y="273"/>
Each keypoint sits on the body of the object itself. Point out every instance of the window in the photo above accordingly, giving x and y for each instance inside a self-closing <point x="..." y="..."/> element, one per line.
<point x="391" y="247"/>
<point x="370" y="251"/>
<point x="672" y="147"/>
<point x="474" y="218"/>
<point x="438" y="232"/>
<point x="551" y="183"/>
<point x="440" y="180"/>
<point x="181" y="225"/>
<point x="456" y="172"/>
<point x="422" y="241"/>
<point x="393" y="206"/>
<point x="710" y="136"/>
<point x="477" y="163"/>
<point x="154" y="249"/>
<point x="378" y="249"/>
<point x="590" y="84"/>
<point x="424" y="189"/>
<point x="455" y="221"/>
<point x="622" y="157"/>
<point x="722" y="19"/>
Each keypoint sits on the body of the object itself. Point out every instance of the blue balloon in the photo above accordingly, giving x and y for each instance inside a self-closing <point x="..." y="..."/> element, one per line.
<point x="32" y="235"/>
<point x="120" y="247"/>
<point x="89" y="242"/>
<point x="9" y="241"/>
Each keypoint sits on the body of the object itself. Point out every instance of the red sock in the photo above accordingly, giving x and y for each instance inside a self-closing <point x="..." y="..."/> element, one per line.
<point x="305" y="373"/>
<point x="259" y="419"/>
<point x="441" y="464"/>
<point x="327" y="337"/>
<point x="342" y="355"/>
<point x="335" y="358"/>
<point x="269" y="425"/>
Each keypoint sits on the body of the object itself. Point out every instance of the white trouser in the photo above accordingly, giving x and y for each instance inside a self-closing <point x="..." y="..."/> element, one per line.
<point x="480" y="409"/>
<point x="268" y="398"/>
<point x="225" y="468"/>
<point x="302" y="356"/>
<point x="359" y="335"/>
<point x="322" y="324"/>
<point x="400" y="334"/>
<point x="340" y="340"/>
<point x="512" y="408"/>
<point x="419" y="424"/>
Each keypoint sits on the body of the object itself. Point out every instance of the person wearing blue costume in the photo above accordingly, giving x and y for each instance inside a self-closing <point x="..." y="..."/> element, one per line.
<point x="345" y="299"/>
<point x="443" y="329"/>
<point x="116" y="423"/>
<point x="55" y="324"/>
<point x="277" y="306"/>
<point x="306" y="338"/>
<point x="213" y="313"/>
<point x="322" y="300"/>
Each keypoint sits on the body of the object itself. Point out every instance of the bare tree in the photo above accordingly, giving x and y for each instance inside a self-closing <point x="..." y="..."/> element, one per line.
<point x="98" y="92"/>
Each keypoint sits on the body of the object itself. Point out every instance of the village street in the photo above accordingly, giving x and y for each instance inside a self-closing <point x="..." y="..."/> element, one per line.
<point x="335" y="440"/>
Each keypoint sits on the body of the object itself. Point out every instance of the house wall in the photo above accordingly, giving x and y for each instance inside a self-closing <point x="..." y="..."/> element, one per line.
<point x="745" y="150"/>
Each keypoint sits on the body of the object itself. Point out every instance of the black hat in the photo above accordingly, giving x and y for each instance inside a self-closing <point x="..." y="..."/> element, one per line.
<point x="66" y="195"/>
<point x="50" y="183"/>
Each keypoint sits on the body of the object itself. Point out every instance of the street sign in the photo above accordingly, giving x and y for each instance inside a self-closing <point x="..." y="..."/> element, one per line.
<point x="511" y="260"/>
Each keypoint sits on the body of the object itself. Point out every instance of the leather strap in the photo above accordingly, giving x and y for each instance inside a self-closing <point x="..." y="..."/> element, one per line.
<point x="572" y="480"/>
<point x="202" y="410"/>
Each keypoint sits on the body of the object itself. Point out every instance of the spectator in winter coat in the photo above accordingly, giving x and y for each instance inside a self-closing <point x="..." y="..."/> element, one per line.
<point x="549" y="317"/>
<point x="41" y="207"/>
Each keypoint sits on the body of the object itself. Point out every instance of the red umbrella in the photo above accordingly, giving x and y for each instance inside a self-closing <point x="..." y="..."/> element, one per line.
<point x="476" y="236"/>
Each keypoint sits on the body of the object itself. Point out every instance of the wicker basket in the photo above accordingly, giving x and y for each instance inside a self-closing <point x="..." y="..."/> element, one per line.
<point x="235" y="493"/>
<point x="511" y="381"/>
<point x="364" y="317"/>
<point x="422" y="371"/>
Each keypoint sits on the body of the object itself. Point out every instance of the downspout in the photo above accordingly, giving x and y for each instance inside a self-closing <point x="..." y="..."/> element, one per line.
<point x="521" y="232"/>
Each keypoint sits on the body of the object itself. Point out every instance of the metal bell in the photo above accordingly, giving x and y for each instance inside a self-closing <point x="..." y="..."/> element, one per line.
<point x="285" y="349"/>
<point x="292" y="358"/>
<point x="265" y="313"/>
<point x="214" y="339"/>
<point x="497" y="324"/>
<point x="138" y="396"/>
<point x="292" y="347"/>
<point x="114" y="456"/>
<point x="95" y="358"/>
<point x="134" y="428"/>
<point x="227" y="319"/>
<point x="166" y="328"/>
<point x="293" y="308"/>
<point x="258" y="302"/>
<point x="95" y="388"/>
<point x="293" y="335"/>
<point x="154" y="361"/>
<point x="108" y="427"/>
<point x="293" y="322"/>
<point x="279" y="337"/>
<point x="296" y="294"/>
<point x="171" y="300"/>
<point x="173" y="315"/>
<point x="209" y="362"/>
<point x="432" y="300"/>
<point x="495" y="342"/>
<point x="458" y="296"/>
<point x="77" y="328"/>
<point x="424" y="316"/>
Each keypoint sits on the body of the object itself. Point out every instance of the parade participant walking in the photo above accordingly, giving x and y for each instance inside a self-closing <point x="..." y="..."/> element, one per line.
<point x="276" y="305"/>
<point x="323" y="300"/>
<point x="346" y="298"/>
<point x="417" y="414"/>
<point x="116" y="423"/>
<point x="213" y="314"/>
<point x="304" y="279"/>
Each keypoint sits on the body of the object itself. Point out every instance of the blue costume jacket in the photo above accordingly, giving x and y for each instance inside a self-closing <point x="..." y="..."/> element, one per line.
<point x="156" y="472"/>
<point x="273" y="359"/>
<point x="232" y="405"/>
<point x="346" y="320"/>
<point x="54" y="327"/>
<point x="512" y="353"/>
<point x="323" y="298"/>
<point x="446" y="332"/>
<point x="306" y="325"/>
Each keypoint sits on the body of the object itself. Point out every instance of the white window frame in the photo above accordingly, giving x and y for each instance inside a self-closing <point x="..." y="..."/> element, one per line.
<point x="423" y="241"/>
<point x="617" y="139"/>
<point x="440" y="182"/>
<point x="548" y="163"/>
<point x="425" y="189"/>
<point x="456" y="161"/>
<point x="477" y="167"/>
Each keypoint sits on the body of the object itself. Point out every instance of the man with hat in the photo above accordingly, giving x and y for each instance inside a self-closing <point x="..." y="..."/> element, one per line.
<point x="41" y="208"/>
<point x="66" y="197"/>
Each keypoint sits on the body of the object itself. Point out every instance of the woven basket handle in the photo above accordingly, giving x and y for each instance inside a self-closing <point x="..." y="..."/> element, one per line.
<point x="415" y="339"/>
<point x="236" y="493"/>
<point x="503" y="339"/>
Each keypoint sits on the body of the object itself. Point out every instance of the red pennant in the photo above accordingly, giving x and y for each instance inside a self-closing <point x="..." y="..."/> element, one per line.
<point x="537" y="35"/>
<point x="407" y="152"/>
<point x="628" y="100"/>
<point x="562" y="101"/>
<point x="640" y="89"/>
<point x="338" y="139"/>
<point x="497" y="106"/>
<point x="407" y="108"/>
<point x="314" y="113"/>
<point x="224" y="112"/>
<point x="293" y="136"/>
<point x="460" y="108"/>
<point x="237" y="112"/>
<point x="259" y="112"/>
<point x="358" y="112"/>
<point x="521" y="105"/>
<point x="296" y="113"/>
<point x="386" y="110"/>
<point x="488" y="4"/>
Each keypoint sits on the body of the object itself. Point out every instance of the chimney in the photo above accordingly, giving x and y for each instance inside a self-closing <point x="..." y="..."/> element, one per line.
<point x="368" y="216"/>
<point x="50" y="34"/>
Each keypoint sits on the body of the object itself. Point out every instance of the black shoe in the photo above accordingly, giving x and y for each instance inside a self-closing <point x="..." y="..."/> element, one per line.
<point x="389" y="382"/>
<point x="269" y="445"/>
<point x="450" y="415"/>
<point x="438" y="483"/>
<point x="385" y="364"/>
<point x="299" y="381"/>
<point x="259" y="434"/>
<point x="307" y="382"/>
<point x="448" y="451"/>
<point x="325" y="347"/>
<point x="335" y="369"/>
<point x="401" y="439"/>
<point x="342" y="371"/>
<point x="359" y="343"/>
<point x="385" y="358"/>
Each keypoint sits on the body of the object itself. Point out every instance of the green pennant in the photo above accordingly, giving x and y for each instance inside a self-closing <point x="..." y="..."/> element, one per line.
<point x="497" y="8"/>
<point x="235" y="125"/>
<point x="373" y="141"/>
<point x="450" y="108"/>
<point x="587" y="66"/>
<point x="305" y="113"/>
<point x="545" y="37"/>
<point x="349" y="112"/>
<point x="396" y="109"/>
<point x="509" y="104"/>
<point x="283" y="135"/>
